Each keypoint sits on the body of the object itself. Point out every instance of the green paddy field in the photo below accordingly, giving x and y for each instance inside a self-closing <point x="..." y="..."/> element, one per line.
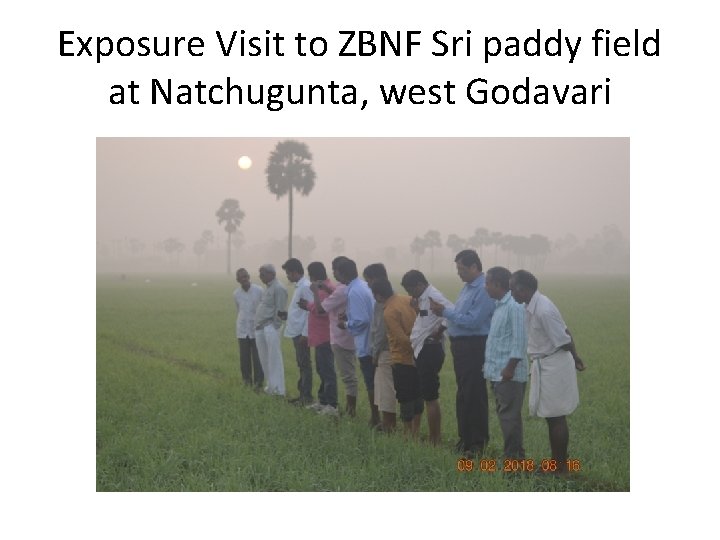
<point x="173" y="415"/>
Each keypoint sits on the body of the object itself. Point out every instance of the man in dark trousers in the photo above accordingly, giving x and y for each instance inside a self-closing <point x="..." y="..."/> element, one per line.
<point x="468" y="328"/>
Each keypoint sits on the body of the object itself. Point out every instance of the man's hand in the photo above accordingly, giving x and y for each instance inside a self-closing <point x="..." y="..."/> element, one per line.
<point x="436" y="308"/>
<point x="302" y="340"/>
<point x="438" y="335"/>
<point x="303" y="304"/>
<point x="579" y="364"/>
<point x="508" y="373"/>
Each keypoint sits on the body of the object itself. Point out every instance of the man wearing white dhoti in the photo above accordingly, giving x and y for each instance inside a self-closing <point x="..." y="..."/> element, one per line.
<point x="553" y="382"/>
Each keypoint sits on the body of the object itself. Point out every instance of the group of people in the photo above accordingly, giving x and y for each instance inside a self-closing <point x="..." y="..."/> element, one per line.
<point x="498" y="320"/>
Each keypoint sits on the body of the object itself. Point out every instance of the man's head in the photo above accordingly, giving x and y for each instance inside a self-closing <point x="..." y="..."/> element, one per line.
<point x="522" y="286"/>
<point x="414" y="283"/>
<point x="373" y="272"/>
<point x="468" y="265"/>
<point x="267" y="273"/>
<point x="497" y="282"/>
<point x="346" y="271"/>
<point x="382" y="290"/>
<point x="294" y="270"/>
<point x="336" y="263"/>
<point x="316" y="271"/>
<point x="243" y="278"/>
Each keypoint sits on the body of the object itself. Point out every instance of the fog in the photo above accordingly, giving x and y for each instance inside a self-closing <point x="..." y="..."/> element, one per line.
<point x="376" y="194"/>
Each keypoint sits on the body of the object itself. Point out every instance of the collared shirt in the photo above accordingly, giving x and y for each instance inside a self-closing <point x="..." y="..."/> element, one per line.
<point x="507" y="339"/>
<point x="319" y="320"/>
<point x="274" y="299"/>
<point x="297" y="318"/>
<point x="378" y="332"/>
<point x="335" y="304"/>
<point x="359" y="313"/>
<point x="427" y="323"/>
<point x="546" y="328"/>
<point x="246" y="303"/>
<point x="399" y="319"/>
<point x="472" y="312"/>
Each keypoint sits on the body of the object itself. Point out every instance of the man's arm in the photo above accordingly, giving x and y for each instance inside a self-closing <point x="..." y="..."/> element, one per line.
<point x="472" y="319"/>
<point x="579" y="364"/>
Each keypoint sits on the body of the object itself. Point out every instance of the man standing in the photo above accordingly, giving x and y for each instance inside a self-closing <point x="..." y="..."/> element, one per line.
<point x="341" y="341"/>
<point x="427" y="338"/>
<point x="296" y="329"/>
<point x="553" y="382"/>
<point x="380" y="349"/>
<point x="468" y="327"/>
<point x="267" y="330"/>
<point x="505" y="360"/>
<point x="357" y="320"/>
<point x="319" y="338"/>
<point x="247" y="298"/>
<point x="399" y="318"/>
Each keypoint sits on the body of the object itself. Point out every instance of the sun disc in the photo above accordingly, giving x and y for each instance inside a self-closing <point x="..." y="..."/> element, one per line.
<point x="244" y="163"/>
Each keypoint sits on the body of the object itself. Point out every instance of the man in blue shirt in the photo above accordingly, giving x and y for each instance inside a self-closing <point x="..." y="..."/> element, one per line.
<point x="468" y="328"/>
<point x="506" y="360"/>
<point x="357" y="320"/>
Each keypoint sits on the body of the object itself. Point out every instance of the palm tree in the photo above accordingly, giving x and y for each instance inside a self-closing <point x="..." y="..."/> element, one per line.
<point x="455" y="243"/>
<point x="432" y="240"/>
<point x="417" y="248"/>
<point x="230" y="214"/>
<point x="479" y="239"/>
<point x="290" y="167"/>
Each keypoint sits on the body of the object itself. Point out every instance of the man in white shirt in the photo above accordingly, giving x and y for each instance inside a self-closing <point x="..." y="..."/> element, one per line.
<point x="553" y="382"/>
<point x="296" y="328"/>
<point x="247" y="298"/>
<point x="268" y="320"/>
<point x="427" y="341"/>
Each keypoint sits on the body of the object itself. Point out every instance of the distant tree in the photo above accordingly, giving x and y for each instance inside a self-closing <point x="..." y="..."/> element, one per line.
<point x="455" y="243"/>
<point x="290" y="168"/>
<point x="230" y="214"/>
<point x="495" y="239"/>
<point x="480" y="238"/>
<point x="208" y="237"/>
<point x="432" y="240"/>
<point x="417" y="248"/>
<point x="136" y="246"/>
<point x="200" y="248"/>
<point x="338" y="246"/>
<point x="538" y="247"/>
<point x="173" y="246"/>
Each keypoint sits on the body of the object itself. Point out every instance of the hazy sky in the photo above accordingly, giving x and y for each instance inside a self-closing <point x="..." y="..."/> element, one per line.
<point x="370" y="191"/>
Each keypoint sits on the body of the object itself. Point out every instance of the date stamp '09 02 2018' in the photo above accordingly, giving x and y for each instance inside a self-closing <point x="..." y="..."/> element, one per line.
<point x="515" y="465"/>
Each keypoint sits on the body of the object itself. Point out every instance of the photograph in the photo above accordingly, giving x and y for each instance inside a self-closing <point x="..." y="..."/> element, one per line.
<point x="362" y="314"/>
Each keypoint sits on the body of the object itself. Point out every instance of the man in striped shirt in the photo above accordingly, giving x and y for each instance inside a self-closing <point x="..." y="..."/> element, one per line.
<point x="505" y="359"/>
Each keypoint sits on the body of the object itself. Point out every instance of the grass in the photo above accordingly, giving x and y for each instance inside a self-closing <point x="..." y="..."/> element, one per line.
<point x="172" y="414"/>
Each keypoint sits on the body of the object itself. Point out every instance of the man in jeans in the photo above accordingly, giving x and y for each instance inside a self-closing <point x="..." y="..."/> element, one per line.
<point x="319" y="339"/>
<point x="296" y="328"/>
